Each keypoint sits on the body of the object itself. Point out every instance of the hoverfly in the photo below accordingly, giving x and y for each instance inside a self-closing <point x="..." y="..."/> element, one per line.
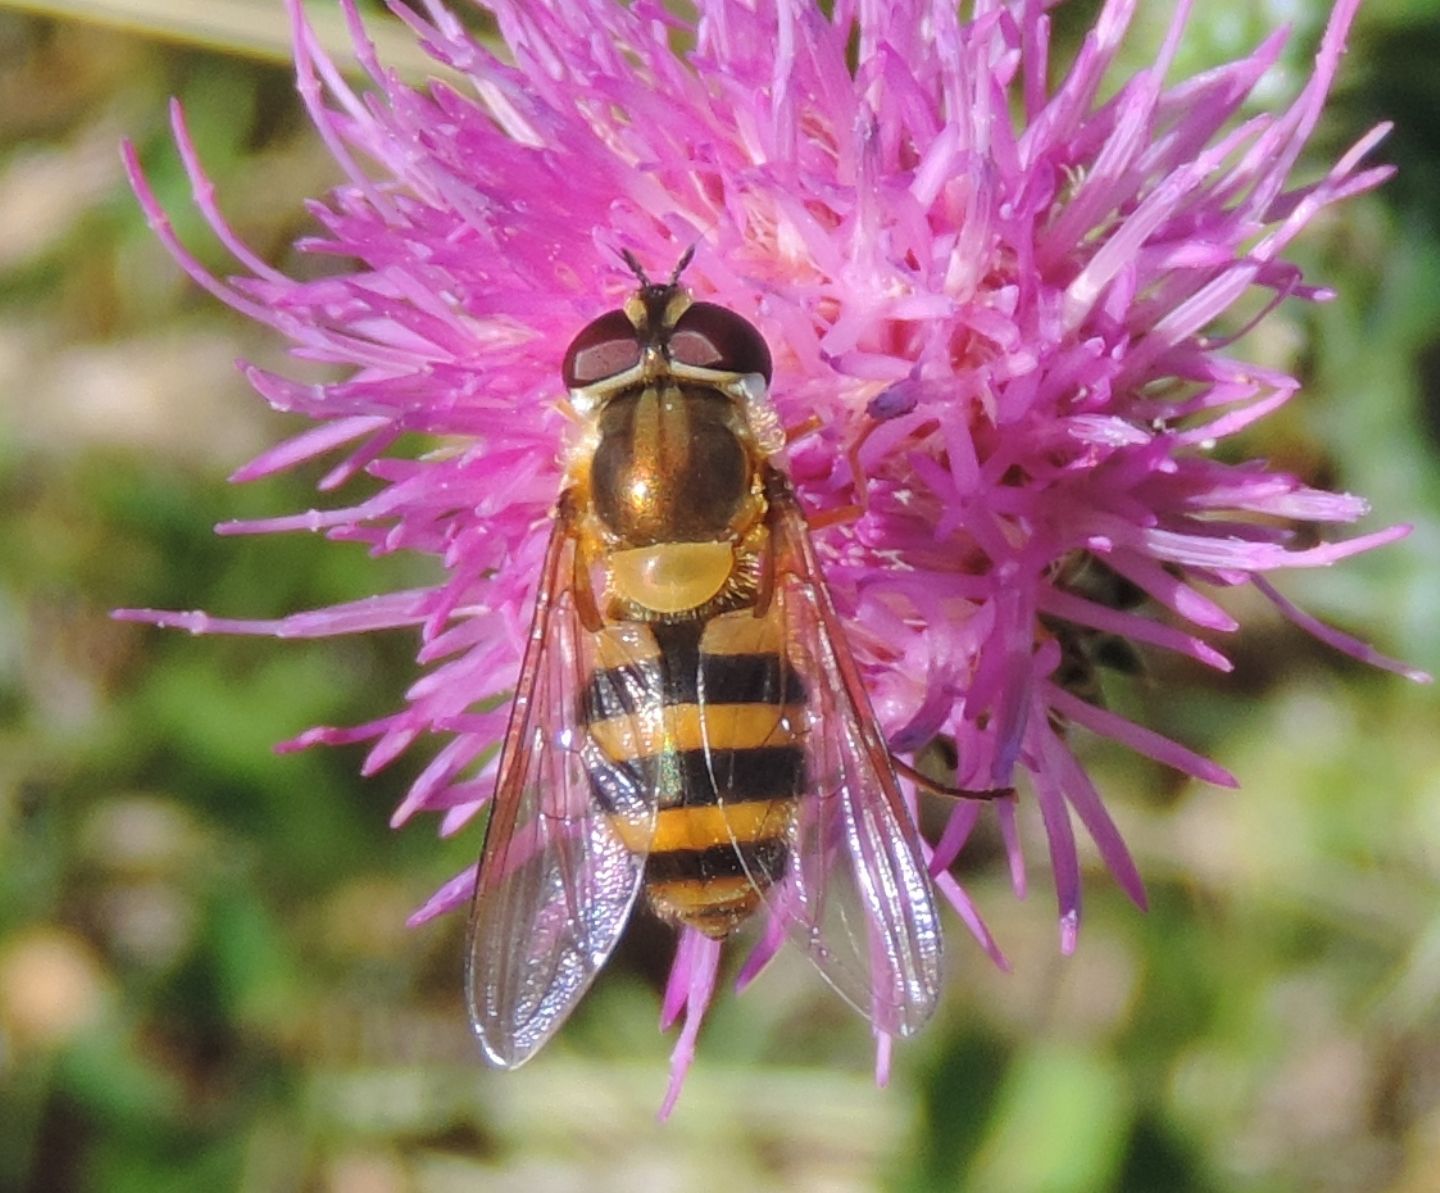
<point x="689" y="727"/>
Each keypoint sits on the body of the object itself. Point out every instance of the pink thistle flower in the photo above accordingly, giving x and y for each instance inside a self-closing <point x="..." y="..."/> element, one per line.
<point x="998" y="324"/>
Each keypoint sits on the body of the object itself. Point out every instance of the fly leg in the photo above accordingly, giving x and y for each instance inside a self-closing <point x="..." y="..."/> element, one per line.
<point x="944" y="790"/>
<point x="582" y="586"/>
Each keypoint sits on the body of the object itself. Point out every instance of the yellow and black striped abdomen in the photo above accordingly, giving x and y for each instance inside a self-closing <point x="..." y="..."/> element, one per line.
<point x="711" y="717"/>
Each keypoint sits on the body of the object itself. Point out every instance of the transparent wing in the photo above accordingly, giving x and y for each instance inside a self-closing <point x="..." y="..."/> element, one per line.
<point x="556" y="879"/>
<point x="855" y="895"/>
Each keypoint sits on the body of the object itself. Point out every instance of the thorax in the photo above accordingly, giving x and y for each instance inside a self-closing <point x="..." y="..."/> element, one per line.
<point x="676" y="502"/>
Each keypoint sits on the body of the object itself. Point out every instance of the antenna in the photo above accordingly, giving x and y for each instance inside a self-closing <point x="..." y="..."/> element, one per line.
<point x="685" y="258"/>
<point x="635" y="267"/>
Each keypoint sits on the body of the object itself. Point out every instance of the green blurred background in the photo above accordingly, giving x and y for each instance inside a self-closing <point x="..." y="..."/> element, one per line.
<point x="205" y="979"/>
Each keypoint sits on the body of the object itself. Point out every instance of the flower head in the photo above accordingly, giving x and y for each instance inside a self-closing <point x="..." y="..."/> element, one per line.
<point x="987" y="293"/>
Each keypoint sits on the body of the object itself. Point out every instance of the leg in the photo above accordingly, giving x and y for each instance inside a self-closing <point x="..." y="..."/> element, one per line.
<point x="856" y="510"/>
<point x="925" y="782"/>
<point x="580" y="583"/>
<point x="840" y="516"/>
<point x="765" y="589"/>
<point x="806" y="427"/>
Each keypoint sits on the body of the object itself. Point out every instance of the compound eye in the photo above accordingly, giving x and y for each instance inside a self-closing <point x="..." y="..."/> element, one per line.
<point x="712" y="337"/>
<point x="603" y="349"/>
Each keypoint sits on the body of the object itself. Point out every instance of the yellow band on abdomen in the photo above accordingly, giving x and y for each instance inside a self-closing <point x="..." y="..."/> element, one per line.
<point x="686" y="727"/>
<point x="705" y="826"/>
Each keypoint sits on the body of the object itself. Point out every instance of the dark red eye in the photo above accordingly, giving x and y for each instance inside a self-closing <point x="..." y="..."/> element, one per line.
<point x="604" y="348"/>
<point x="711" y="337"/>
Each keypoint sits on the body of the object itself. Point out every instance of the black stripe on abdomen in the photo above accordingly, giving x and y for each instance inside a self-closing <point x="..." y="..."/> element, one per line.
<point x="681" y="668"/>
<point x="762" y="861"/>
<point x="727" y="678"/>
<point x="690" y="777"/>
